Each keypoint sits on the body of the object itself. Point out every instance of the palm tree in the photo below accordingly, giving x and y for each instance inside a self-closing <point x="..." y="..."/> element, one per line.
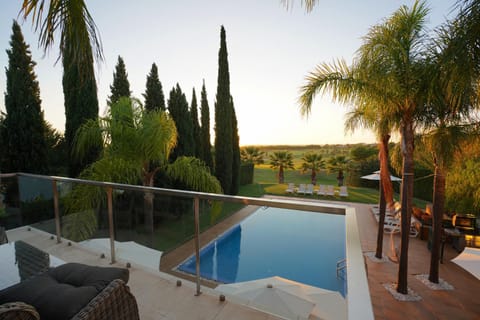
<point x="453" y="95"/>
<point x="368" y="116"/>
<point x="339" y="163"/>
<point x="137" y="144"/>
<point x="313" y="162"/>
<point x="79" y="45"/>
<point x="390" y="70"/>
<point x="281" y="160"/>
<point x="251" y="155"/>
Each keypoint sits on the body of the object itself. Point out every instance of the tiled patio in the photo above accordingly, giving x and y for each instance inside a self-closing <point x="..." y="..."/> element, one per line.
<point x="158" y="296"/>
<point x="463" y="302"/>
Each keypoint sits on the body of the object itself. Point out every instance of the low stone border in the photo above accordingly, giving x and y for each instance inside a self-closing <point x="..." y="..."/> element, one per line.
<point x="411" y="296"/>
<point x="371" y="256"/>
<point x="441" y="285"/>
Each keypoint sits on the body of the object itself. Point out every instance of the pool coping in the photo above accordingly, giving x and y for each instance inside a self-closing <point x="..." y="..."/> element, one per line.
<point x="358" y="296"/>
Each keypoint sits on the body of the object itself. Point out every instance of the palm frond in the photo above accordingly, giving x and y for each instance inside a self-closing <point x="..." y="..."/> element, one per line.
<point x="87" y="137"/>
<point x="194" y="174"/>
<point x="336" y="78"/>
<point x="308" y="4"/>
<point x="157" y="126"/>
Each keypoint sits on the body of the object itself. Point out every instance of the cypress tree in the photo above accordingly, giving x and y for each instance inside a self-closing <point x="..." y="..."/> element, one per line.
<point x="120" y="86"/>
<point x="23" y="130"/>
<point x="154" y="98"/>
<point x="223" y="120"/>
<point x="206" y="153"/>
<point x="81" y="103"/>
<point x="178" y="110"/>
<point x="197" y="139"/>
<point x="235" y="152"/>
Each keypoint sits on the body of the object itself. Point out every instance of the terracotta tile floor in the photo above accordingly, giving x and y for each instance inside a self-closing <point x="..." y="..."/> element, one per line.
<point x="463" y="302"/>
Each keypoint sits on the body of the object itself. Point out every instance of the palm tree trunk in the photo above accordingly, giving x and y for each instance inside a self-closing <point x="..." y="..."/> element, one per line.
<point x="381" y="221"/>
<point x="280" y="175"/>
<point x="384" y="172"/>
<point x="407" y="195"/>
<point x="386" y="191"/>
<point x="314" y="177"/>
<point x="438" y="208"/>
<point x="148" y="203"/>
<point x="340" y="177"/>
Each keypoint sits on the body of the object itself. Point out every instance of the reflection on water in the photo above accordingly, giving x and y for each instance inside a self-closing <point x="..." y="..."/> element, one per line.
<point x="30" y="260"/>
<point x="220" y="259"/>
<point x="229" y="261"/>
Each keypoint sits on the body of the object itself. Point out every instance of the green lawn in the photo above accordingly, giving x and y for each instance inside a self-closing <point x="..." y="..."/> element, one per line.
<point x="266" y="182"/>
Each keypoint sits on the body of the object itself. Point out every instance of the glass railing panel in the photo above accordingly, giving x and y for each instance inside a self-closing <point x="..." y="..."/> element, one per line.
<point x="10" y="213"/>
<point x="82" y="211"/>
<point x="36" y="203"/>
<point x="213" y="212"/>
<point x="160" y="222"/>
<point x="174" y="221"/>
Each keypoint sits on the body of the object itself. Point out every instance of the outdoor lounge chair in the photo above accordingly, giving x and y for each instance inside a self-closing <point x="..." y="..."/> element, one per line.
<point x="343" y="191"/>
<point x="290" y="188"/>
<point x="321" y="190"/>
<point x="330" y="191"/>
<point x="309" y="189"/>
<point x="391" y="226"/>
<point x="302" y="188"/>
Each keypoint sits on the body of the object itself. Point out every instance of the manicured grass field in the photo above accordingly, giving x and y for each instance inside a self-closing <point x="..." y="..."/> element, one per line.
<point x="266" y="182"/>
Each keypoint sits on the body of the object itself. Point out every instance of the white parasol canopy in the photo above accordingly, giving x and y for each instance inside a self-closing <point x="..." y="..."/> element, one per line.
<point x="376" y="176"/>
<point x="289" y="299"/>
<point x="469" y="260"/>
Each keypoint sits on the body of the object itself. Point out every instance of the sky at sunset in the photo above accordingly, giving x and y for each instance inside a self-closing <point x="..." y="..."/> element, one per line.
<point x="270" y="51"/>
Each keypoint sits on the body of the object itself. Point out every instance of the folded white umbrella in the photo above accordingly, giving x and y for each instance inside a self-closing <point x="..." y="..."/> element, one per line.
<point x="469" y="260"/>
<point x="288" y="299"/>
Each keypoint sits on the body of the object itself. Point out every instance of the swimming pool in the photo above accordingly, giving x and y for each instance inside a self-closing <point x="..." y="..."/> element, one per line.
<point x="297" y="245"/>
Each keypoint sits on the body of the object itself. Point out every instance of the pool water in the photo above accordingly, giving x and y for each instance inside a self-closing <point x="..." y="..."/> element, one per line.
<point x="297" y="245"/>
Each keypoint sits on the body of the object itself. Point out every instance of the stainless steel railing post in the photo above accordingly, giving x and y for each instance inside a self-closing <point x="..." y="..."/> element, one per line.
<point x="57" y="211"/>
<point x="110" y="223"/>
<point x="196" y="211"/>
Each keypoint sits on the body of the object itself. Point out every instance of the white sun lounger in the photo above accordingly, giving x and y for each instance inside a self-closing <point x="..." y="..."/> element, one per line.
<point x="309" y="189"/>
<point x="302" y="188"/>
<point x="343" y="191"/>
<point x="330" y="191"/>
<point x="321" y="190"/>
<point x="290" y="188"/>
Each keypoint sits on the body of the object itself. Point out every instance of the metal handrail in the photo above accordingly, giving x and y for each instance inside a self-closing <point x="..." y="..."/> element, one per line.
<point x="278" y="203"/>
<point x="194" y="195"/>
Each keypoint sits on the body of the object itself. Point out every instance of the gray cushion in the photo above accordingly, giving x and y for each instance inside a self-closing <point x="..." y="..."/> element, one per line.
<point x="62" y="292"/>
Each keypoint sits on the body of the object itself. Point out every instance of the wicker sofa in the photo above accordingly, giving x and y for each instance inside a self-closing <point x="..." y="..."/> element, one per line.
<point x="71" y="291"/>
